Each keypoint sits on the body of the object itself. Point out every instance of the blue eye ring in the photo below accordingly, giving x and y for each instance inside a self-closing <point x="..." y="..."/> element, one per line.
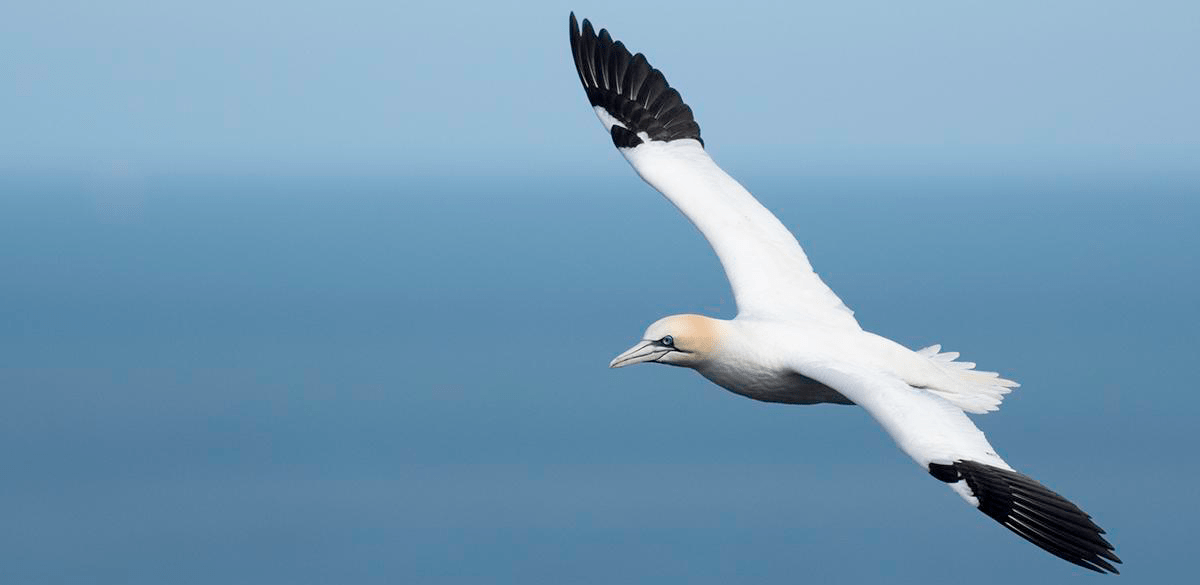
<point x="668" y="341"/>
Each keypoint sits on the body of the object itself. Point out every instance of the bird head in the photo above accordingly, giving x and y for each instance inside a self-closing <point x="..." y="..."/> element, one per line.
<point x="678" y="340"/>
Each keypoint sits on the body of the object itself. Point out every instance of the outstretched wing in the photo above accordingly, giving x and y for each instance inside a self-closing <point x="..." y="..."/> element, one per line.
<point x="942" y="440"/>
<point x="654" y="129"/>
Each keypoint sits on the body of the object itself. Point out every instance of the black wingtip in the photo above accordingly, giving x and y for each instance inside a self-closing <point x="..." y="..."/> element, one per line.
<point x="1034" y="512"/>
<point x="628" y="89"/>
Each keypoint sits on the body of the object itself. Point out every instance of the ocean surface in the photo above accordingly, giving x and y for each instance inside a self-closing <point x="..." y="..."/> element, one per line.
<point x="291" y="379"/>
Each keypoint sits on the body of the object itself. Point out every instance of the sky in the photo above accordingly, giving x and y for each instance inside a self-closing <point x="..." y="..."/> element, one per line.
<point x="161" y="87"/>
<point x="325" y="292"/>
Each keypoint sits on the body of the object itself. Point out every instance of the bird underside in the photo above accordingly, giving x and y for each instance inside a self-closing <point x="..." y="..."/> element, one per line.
<point x="805" y="390"/>
<point x="782" y="387"/>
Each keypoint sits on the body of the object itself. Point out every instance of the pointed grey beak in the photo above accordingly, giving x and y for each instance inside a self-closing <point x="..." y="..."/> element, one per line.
<point x="643" y="352"/>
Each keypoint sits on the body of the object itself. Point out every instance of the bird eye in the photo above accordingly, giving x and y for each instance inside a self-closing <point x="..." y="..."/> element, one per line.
<point x="668" y="340"/>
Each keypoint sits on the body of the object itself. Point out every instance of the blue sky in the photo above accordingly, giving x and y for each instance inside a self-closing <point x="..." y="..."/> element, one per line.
<point x="391" y="87"/>
<point x="325" y="293"/>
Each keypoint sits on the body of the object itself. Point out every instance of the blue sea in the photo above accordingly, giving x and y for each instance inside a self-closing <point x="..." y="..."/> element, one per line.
<point x="312" y="379"/>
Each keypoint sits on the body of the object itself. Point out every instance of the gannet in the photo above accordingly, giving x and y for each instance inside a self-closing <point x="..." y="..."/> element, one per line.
<point x="793" y="340"/>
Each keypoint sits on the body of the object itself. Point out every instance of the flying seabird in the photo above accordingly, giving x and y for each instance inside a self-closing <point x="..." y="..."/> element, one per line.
<point x="793" y="340"/>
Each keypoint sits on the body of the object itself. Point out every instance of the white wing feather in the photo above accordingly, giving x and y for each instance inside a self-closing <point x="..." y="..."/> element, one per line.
<point x="768" y="271"/>
<point x="925" y="426"/>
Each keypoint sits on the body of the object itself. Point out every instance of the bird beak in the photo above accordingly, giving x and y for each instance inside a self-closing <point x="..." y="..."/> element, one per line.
<point x="643" y="352"/>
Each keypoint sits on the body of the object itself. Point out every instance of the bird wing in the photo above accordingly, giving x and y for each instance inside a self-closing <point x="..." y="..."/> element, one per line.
<point x="942" y="440"/>
<point x="655" y="131"/>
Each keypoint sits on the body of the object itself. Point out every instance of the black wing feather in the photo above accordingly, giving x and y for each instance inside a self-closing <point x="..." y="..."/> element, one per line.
<point x="1033" y="512"/>
<point x="629" y="89"/>
<point x="620" y="65"/>
<point x="639" y="70"/>
<point x="604" y="59"/>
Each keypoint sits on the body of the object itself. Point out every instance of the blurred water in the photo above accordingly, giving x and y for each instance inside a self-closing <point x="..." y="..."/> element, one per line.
<point x="250" y="379"/>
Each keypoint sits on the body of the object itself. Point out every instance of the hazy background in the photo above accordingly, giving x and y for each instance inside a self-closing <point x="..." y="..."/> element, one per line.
<point x="324" y="292"/>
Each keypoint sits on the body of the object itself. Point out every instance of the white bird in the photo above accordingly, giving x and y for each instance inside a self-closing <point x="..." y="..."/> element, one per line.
<point x="793" y="341"/>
